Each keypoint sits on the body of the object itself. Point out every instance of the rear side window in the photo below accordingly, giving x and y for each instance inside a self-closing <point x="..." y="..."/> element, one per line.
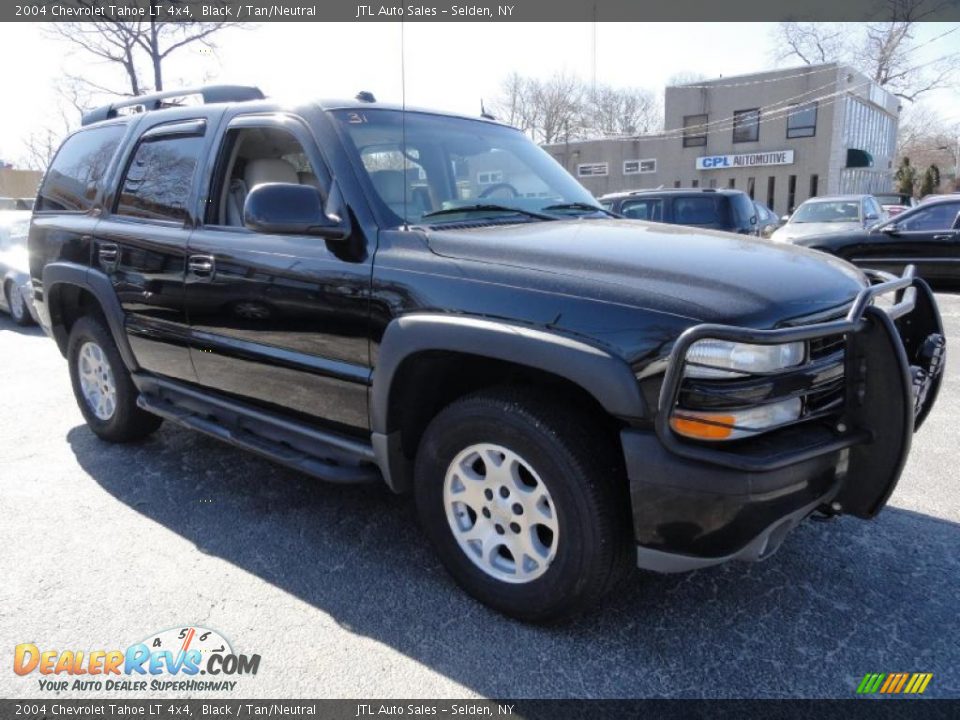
<point x="158" y="180"/>
<point x="745" y="214"/>
<point x="649" y="209"/>
<point x="70" y="184"/>
<point x="702" y="210"/>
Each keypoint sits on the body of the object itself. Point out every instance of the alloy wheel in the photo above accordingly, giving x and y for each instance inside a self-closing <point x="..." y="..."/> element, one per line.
<point x="501" y="513"/>
<point x="96" y="380"/>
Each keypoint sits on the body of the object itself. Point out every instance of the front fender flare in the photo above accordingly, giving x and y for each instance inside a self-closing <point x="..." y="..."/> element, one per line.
<point x="606" y="377"/>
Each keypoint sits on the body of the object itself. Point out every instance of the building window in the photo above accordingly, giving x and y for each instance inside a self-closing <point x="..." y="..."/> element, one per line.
<point x="713" y="182"/>
<point x="732" y="183"/>
<point x="791" y="192"/>
<point x="696" y="184"/>
<point x="638" y="167"/>
<point x="751" y="187"/>
<point x="694" y="130"/>
<point x="814" y="185"/>
<point x="771" y="190"/>
<point x="676" y="183"/>
<point x="746" y="125"/>
<point x="592" y="169"/>
<point x="802" y="121"/>
<point x="488" y="177"/>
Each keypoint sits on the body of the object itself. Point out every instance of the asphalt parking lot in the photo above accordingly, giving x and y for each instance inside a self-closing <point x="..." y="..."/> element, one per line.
<point x="337" y="591"/>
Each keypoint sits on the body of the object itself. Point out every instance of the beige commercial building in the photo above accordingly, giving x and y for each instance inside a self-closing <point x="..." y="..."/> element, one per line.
<point x="19" y="183"/>
<point x="781" y="136"/>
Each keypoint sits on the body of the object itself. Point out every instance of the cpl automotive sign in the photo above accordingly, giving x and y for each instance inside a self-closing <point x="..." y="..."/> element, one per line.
<point x="721" y="162"/>
<point x="155" y="663"/>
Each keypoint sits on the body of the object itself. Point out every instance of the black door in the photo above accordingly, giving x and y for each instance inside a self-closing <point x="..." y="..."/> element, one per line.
<point x="142" y="244"/>
<point x="927" y="237"/>
<point x="277" y="320"/>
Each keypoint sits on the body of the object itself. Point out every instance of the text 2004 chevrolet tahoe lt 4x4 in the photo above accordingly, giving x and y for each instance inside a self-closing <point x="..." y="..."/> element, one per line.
<point x="362" y="292"/>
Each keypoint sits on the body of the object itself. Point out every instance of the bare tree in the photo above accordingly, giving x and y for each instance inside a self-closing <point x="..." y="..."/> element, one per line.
<point x="558" y="105"/>
<point x="928" y="140"/>
<point x="565" y="107"/>
<point x="811" y="43"/>
<point x="627" y="111"/>
<point x="884" y="51"/>
<point x="138" y="48"/>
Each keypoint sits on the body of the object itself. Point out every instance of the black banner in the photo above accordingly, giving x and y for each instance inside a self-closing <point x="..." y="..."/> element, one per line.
<point x="879" y="709"/>
<point x="474" y="10"/>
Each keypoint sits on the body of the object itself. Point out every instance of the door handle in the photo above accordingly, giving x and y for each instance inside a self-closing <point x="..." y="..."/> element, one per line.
<point x="109" y="255"/>
<point x="201" y="266"/>
<point x="951" y="236"/>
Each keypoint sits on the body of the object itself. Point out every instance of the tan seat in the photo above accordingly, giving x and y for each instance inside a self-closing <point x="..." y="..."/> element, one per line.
<point x="257" y="172"/>
<point x="308" y="178"/>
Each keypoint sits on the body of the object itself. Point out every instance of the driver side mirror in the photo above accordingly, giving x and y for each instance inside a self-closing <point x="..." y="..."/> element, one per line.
<point x="891" y="229"/>
<point x="784" y="218"/>
<point x="292" y="209"/>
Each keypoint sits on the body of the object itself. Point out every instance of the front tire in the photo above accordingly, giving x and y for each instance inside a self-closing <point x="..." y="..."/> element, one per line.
<point x="102" y="386"/>
<point x="524" y="502"/>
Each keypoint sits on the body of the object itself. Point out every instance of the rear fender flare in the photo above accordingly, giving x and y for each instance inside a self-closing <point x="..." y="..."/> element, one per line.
<point x="98" y="284"/>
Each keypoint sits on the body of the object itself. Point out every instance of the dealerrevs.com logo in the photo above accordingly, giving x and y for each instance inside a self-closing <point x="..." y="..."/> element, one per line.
<point x="181" y="659"/>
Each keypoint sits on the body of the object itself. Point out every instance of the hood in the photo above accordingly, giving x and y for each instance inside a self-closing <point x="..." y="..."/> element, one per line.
<point x="791" y="231"/>
<point x="700" y="274"/>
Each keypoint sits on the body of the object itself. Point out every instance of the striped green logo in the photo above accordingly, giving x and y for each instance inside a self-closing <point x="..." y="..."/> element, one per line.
<point x="894" y="683"/>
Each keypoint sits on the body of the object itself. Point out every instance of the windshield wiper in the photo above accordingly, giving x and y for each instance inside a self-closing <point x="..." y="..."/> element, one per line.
<point x="487" y="207"/>
<point x="578" y="206"/>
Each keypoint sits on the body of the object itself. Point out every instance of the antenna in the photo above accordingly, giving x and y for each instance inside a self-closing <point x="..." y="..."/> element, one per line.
<point x="403" y="122"/>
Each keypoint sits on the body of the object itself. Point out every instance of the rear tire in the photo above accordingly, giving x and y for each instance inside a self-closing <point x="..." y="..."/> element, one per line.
<point x="524" y="502"/>
<point x="102" y="386"/>
<point x="18" y="306"/>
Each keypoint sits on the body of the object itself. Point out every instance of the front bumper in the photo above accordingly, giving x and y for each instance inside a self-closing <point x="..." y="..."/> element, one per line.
<point x="696" y="505"/>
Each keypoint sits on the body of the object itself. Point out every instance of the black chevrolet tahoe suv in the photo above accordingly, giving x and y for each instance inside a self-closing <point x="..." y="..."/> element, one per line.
<point x="708" y="208"/>
<point x="363" y="292"/>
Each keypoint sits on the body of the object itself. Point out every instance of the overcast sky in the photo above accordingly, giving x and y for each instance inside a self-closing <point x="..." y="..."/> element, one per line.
<point x="449" y="66"/>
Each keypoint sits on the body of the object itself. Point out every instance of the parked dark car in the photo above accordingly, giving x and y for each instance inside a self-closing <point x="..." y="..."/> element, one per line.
<point x="364" y="293"/>
<point x="926" y="236"/>
<point x="14" y="268"/>
<point x="767" y="220"/>
<point x="713" y="209"/>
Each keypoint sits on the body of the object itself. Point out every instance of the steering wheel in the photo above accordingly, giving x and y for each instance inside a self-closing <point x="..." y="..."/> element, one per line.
<point x="500" y="186"/>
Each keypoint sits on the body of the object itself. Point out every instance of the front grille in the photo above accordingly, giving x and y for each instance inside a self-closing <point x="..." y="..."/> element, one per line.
<point x="826" y="346"/>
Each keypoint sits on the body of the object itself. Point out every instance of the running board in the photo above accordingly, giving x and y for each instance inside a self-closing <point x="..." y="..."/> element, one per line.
<point x="321" y="454"/>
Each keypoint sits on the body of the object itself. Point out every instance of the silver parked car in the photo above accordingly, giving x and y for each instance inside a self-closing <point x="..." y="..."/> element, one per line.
<point x="831" y="214"/>
<point x="16" y="295"/>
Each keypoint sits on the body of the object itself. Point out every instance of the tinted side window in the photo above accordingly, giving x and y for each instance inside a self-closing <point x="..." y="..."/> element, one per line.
<point x="643" y="210"/>
<point x="938" y="217"/>
<point x="70" y="184"/>
<point x="157" y="183"/>
<point x="744" y="213"/>
<point x="703" y="211"/>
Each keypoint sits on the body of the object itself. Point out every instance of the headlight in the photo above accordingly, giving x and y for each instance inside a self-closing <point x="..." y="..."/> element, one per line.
<point x="734" y="424"/>
<point x="723" y="359"/>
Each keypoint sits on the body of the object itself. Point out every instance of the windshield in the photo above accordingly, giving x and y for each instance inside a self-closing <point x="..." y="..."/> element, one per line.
<point x="891" y="199"/>
<point x="828" y="212"/>
<point x="436" y="165"/>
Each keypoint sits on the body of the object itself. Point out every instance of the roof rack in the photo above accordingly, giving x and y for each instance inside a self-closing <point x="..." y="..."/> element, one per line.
<point x="154" y="101"/>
